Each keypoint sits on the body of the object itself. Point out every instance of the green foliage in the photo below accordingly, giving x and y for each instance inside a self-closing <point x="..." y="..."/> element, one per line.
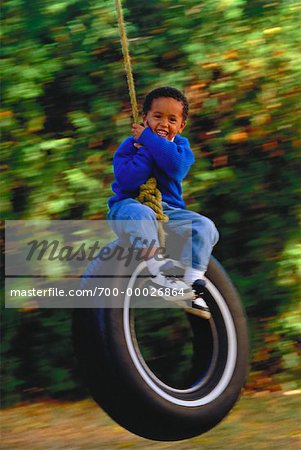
<point x="65" y="108"/>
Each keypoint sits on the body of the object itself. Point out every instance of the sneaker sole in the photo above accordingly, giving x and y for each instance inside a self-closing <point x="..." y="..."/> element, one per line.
<point x="177" y="298"/>
<point x="199" y="313"/>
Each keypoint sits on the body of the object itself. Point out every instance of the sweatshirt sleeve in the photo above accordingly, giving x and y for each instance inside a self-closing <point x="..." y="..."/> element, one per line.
<point x="174" y="158"/>
<point x="132" y="168"/>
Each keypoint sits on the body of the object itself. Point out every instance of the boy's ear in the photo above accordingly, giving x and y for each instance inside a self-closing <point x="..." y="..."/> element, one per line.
<point x="183" y="125"/>
<point x="144" y="120"/>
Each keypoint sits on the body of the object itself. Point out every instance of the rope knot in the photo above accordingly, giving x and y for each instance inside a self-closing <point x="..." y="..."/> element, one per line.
<point x="150" y="195"/>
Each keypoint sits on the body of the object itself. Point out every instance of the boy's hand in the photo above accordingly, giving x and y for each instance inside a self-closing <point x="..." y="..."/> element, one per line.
<point x="137" y="130"/>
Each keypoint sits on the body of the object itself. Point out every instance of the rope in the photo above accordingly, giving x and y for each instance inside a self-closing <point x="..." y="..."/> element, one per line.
<point x="149" y="195"/>
<point x="127" y="60"/>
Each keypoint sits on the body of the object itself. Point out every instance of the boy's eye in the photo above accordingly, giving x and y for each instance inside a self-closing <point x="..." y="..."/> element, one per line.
<point x="173" y="120"/>
<point x="157" y="116"/>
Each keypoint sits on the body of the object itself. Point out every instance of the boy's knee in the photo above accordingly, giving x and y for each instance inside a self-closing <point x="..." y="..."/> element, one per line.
<point x="215" y="235"/>
<point x="206" y="227"/>
<point x="142" y="212"/>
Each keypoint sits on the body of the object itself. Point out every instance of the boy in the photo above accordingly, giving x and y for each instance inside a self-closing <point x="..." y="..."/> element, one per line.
<point x="157" y="150"/>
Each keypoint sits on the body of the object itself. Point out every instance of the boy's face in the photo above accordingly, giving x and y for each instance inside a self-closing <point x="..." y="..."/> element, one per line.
<point x="165" y="117"/>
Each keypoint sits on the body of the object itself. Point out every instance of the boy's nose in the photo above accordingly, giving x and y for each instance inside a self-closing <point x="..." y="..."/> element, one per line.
<point x="164" y="122"/>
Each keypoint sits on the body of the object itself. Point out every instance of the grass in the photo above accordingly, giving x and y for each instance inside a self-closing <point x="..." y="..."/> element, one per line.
<point x="266" y="421"/>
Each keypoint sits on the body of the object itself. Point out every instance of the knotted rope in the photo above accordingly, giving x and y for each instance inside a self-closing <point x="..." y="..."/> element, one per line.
<point x="149" y="194"/>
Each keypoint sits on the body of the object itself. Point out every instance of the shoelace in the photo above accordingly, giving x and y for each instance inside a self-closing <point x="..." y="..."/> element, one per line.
<point x="172" y="278"/>
<point x="168" y="277"/>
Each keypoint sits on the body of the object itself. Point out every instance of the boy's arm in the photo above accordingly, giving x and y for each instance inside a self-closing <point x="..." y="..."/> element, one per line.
<point x="174" y="158"/>
<point x="132" y="169"/>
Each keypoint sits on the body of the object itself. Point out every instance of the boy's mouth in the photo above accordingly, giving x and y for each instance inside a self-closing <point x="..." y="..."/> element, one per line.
<point x="162" y="133"/>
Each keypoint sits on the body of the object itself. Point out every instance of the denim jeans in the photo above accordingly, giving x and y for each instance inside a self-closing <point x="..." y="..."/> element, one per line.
<point x="131" y="219"/>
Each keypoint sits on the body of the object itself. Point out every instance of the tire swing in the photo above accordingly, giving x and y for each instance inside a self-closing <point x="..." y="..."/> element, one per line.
<point x="161" y="373"/>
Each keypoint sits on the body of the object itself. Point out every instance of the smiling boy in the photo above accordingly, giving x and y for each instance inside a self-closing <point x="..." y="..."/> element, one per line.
<point x="158" y="150"/>
<point x="165" y="117"/>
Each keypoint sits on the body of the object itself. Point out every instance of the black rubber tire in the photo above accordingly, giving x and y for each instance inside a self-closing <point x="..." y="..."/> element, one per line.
<point x="110" y="368"/>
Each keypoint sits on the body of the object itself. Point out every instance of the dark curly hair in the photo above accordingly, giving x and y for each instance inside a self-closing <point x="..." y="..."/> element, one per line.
<point x="166" y="91"/>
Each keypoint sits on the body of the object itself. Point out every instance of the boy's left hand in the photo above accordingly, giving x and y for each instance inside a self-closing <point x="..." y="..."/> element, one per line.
<point x="137" y="130"/>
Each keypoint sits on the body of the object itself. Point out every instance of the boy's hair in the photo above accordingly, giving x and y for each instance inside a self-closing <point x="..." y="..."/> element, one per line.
<point x="166" y="91"/>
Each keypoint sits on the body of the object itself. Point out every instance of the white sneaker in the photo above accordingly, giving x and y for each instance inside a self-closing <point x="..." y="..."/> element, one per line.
<point x="172" y="289"/>
<point x="199" y="307"/>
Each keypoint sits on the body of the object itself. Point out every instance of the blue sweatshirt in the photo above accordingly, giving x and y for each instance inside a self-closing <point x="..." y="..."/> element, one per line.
<point x="169" y="162"/>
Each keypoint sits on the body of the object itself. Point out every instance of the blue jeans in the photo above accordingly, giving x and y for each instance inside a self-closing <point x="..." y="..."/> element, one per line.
<point x="131" y="219"/>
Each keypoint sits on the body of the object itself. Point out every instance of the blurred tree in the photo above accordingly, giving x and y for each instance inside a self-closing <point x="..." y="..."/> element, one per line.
<point x="65" y="108"/>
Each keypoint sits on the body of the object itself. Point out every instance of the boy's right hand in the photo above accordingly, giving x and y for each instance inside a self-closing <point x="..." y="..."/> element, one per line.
<point x="137" y="130"/>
